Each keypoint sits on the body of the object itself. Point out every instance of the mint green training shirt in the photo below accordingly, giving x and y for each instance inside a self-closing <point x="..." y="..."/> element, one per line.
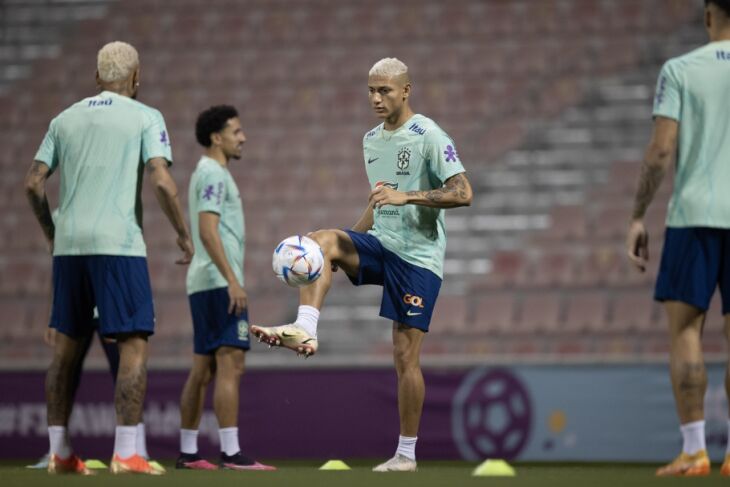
<point x="694" y="89"/>
<point x="100" y="146"/>
<point x="418" y="156"/>
<point x="212" y="189"/>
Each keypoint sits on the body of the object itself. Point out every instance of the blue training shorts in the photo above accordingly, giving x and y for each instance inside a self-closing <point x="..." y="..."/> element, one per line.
<point x="213" y="326"/>
<point x="119" y="286"/>
<point x="409" y="291"/>
<point x="695" y="260"/>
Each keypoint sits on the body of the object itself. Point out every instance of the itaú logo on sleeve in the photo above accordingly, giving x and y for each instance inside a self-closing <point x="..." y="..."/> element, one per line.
<point x="416" y="301"/>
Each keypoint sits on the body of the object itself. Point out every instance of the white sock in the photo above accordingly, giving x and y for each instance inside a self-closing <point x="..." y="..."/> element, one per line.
<point x="141" y="441"/>
<point x="229" y="440"/>
<point x="694" y="436"/>
<point x="189" y="441"/>
<point x="407" y="446"/>
<point x="60" y="446"/>
<point x="125" y="441"/>
<point x="307" y="318"/>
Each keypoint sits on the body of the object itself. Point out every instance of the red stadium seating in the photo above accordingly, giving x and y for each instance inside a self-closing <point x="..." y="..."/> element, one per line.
<point x="493" y="81"/>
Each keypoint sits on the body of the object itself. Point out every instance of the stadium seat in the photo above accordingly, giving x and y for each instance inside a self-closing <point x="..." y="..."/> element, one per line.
<point x="586" y="312"/>
<point x="494" y="313"/>
<point x="633" y="311"/>
<point x="450" y="316"/>
<point x="541" y="313"/>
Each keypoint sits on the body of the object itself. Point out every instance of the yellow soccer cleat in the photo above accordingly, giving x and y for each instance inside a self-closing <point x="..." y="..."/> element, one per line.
<point x="292" y="336"/>
<point x="133" y="464"/>
<point x="695" y="465"/>
<point x="157" y="466"/>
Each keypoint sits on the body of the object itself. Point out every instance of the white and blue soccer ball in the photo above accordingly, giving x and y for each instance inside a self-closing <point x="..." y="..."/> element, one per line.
<point x="298" y="261"/>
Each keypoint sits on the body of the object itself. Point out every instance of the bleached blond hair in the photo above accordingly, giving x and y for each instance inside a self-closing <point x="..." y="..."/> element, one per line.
<point x="116" y="61"/>
<point x="388" y="67"/>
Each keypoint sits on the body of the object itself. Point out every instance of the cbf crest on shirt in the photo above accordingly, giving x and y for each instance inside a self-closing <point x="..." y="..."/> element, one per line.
<point x="418" y="156"/>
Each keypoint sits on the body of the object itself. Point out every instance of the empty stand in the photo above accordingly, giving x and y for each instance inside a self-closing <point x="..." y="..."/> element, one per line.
<point x="549" y="117"/>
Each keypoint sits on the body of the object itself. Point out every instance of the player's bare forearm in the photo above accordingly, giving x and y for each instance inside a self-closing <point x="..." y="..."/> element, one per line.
<point x="455" y="192"/>
<point x="211" y="239"/>
<point x="35" y="190"/>
<point x="649" y="181"/>
<point x="365" y="222"/>
<point x="166" y="193"/>
<point x="658" y="157"/>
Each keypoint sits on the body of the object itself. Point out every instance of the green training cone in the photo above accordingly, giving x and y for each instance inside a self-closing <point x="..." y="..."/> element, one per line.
<point x="334" y="465"/>
<point x="94" y="464"/>
<point x="494" y="468"/>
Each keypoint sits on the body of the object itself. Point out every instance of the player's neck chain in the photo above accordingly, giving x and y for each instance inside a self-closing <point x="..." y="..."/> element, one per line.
<point x="388" y="134"/>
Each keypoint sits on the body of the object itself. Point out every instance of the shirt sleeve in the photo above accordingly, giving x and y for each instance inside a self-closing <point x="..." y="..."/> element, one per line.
<point x="443" y="159"/>
<point x="668" y="98"/>
<point x="211" y="190"/>
<point x="155" y="139"/>
<point x="48" y="151"/>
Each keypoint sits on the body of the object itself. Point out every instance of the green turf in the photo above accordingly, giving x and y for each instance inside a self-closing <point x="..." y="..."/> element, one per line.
<point x="305" y="474"/>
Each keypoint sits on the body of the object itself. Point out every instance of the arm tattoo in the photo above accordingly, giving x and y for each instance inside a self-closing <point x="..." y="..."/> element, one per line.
<point x="455" y="187"/>
<point x="152" y="166"/>
<point x="650" y="179"/>
<point x="39" y="201"/>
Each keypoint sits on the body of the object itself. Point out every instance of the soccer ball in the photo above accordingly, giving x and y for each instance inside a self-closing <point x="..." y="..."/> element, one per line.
<point x="298" y="261"/>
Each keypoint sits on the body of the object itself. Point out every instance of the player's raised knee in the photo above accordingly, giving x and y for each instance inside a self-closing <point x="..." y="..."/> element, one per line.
<point x="328" y="240"/>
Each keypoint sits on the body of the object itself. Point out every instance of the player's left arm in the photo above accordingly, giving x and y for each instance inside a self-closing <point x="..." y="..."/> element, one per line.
<point x="455" y="192"/>
<point x="365" y="222"/>
<point x="165" y="191"/>
<point x="35" y="190"/>
<point x="660" y="153"/>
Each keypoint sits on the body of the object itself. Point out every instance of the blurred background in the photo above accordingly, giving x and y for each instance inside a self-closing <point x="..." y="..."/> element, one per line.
<point x="549" y="103"/>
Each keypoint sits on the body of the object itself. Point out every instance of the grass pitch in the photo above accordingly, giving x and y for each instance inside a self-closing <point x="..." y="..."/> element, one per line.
<point x="430" y="474"/>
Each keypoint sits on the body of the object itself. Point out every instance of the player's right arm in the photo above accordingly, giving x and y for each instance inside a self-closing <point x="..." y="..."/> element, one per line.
<point x="35" y="190"/>
<point x="211" y="239"/>
<point x="659" y="155"/>
<point x="365" y="222"/>
<point x="165" y="190"/>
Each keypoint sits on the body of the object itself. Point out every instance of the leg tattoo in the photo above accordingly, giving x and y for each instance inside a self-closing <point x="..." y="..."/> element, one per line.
<point x="129" y="394"/>
<point x="691" y="387"/>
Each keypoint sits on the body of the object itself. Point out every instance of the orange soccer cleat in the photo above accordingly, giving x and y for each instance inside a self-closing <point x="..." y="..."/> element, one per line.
<point x="133" y="464"/>
<point x="695" y="465"/>
<point x="72" y="465"/>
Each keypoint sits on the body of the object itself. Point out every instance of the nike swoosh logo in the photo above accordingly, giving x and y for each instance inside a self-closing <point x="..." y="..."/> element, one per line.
<point x="370" y="161"/>
<point x="411" y="313"/>
<point x="287" y="335"/>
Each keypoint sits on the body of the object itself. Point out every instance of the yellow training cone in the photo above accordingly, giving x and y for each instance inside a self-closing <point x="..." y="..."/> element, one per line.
<point x="494" y="468"/>
<point x="334" y="465"/>
<point x="94" y="464"/>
